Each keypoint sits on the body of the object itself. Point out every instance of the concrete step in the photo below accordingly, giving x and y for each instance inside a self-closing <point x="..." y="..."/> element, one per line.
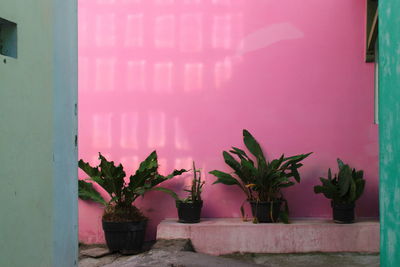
<point x="219" y="236"/>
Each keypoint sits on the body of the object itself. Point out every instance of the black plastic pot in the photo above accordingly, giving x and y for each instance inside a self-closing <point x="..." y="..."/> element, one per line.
<point x="343" y="213"/>
<point x="263" y="212"/>
<point x="125" y="237"/>
<point x="189" y="212"/>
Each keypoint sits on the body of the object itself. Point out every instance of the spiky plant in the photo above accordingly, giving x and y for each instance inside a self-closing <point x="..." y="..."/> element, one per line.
<point x="196" y="187"/>
<point x="345" y="187"/>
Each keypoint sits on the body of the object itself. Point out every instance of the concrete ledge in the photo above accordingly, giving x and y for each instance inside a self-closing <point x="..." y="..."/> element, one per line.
<point x="224" y="236"/>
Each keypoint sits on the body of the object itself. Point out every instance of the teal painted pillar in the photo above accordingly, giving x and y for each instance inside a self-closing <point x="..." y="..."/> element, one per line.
<point x="38" y="127"/>
<point x="389" y="130"/>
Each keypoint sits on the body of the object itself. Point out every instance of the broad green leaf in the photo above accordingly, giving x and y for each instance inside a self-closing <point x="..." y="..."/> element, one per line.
<point x="325" y="191"/>
<point x="232" y="162"/>
<point x="358" y="175"/>
<point x="277" y="162"/>
<point x="293" y="161"/>
<point x="295" y="174"/>
<point x="166" y="190"/>
<point x="360" y="184"/>
<point x="352" y="191"/>
<point x="112" y="176"/>
<point x="248" y="170"/>
<point x="175" y="173"/>
<point x="241" y="154"/>
<point x="318" y="189"/>
<point x="147" y="170"/>
<point x="344" y="179"/>
<point x="89" y="170"/>
<point x="252" y="145"/>
<point x="224" y="178"/>
<point x="86" y="191"/>
<point x="297" y="158"/>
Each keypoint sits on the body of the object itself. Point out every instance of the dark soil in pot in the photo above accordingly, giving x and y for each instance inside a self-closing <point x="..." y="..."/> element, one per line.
<point x="266" y="212"/>
<point x="343" y="212"/>
<point x="125" y="237"/>
<point x="189" y="212"/>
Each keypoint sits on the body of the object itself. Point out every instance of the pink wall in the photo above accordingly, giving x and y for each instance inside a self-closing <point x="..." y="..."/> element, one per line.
<point x="186" y="76"/>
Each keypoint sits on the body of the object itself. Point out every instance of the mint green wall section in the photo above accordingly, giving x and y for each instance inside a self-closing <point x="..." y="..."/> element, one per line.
<point x="65" y="147"/>
<point x="32" y="155"/>
<point x="389" y="127"/>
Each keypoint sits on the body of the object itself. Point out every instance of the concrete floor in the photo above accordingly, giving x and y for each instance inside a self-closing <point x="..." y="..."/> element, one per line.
<point x="310" y="259"/>
<point x="177" y="253"/>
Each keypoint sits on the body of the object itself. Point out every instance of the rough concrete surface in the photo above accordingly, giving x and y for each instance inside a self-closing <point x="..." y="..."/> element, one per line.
<point x="220" y="236"/>
<point x="179" y="253"/>
<point x="96" y="252"/>
<point x="311" y="259"/>
<point x="163" y="258"/>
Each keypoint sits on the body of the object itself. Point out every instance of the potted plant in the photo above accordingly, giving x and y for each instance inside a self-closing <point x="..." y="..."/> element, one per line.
<point x="261" y="180"/>
<point x="124" y="224"/>
<point x="343" y="189"/>
<point x="189" y="208"/>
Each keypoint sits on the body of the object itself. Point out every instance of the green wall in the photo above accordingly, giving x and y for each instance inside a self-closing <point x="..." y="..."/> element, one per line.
<point x="389" y="130"/>
<point x="38" y="215"/>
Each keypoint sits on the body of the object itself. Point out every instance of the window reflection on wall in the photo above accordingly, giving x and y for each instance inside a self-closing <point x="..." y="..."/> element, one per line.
<point x="105" y="74"/>
<point x="102" y="131"/>
<point x="193" y="76"/>
<point x="129" y="130"/>
<point x="136" y="55"/>
<point x="134" y="30"/>
<point x="136" y="75"/>
<point x="105" y="30"/>
<point x="163" y="73"/>
<point x="156" y="129"/>
<point x="164" y="32"/>
<point x="191" y="29"/>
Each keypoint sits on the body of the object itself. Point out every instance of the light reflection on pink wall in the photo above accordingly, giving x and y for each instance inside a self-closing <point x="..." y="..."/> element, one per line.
<point x="186" y="76"/>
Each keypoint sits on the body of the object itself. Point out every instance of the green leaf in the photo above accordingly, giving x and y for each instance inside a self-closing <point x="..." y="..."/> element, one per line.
<point x="224" y="178"/>
<point x="248" y="170"/>
<point x="232" y="162"/>
<point x="252" y="145"/>
<point x="358" y="174"/>
<point x="241" y="154"/>
<point x="340" y="163"/>
<point x="277" y="162"/>
<point x="89" y="170"/>
<point x="352" y="191"/>
<point x="147" y="170"/>
<point x="112" y="176"/>
<point x="297" y="158"/>
<point x="284" y="214"/>
<point x="327" y="189"/>
<point x="175" y="173"/>
<point x="295" y="174"/>
<point x="167" y="191"/>
<point x="86" y="191"/>
<point x="360" y="185"/>
<point x="344" y="179"/>
<point x="284" y="185"/>
<point x="318" y="189"/>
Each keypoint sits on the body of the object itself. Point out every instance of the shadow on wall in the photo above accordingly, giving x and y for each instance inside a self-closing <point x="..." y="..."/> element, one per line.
<point x="184" y="77"/>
